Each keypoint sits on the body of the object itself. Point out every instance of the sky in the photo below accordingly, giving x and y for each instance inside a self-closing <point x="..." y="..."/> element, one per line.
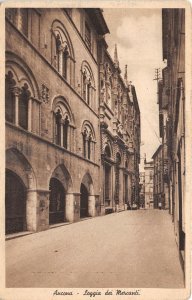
<point x="138" y="35"/>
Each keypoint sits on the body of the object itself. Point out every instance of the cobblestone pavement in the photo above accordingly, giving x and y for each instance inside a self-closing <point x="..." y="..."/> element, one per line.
<point x="126" y="249"/>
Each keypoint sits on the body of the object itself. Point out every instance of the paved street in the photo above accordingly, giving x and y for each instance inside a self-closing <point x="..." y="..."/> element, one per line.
<point x="127" y="249"/>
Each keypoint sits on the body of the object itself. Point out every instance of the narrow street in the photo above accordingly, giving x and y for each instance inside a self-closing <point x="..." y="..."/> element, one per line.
<point x="126" y="249"/>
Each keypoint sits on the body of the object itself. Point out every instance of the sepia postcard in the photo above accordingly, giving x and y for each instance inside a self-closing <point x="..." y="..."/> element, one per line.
<point x="96" y="150"/>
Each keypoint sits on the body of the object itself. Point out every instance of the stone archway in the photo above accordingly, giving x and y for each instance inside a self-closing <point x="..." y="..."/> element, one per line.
<point x="56" y="201"/>
<point x="20" y="194"/>
<point x="15" y="203"/>
<point x="61" y="202"/>
<point x="87" y="197"/>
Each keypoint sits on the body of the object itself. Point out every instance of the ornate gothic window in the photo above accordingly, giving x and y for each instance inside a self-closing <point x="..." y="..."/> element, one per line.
<point x="63" y="125"/>
<point x="63" y="56"/>
<point x="88" y="85"/>
<point x="20" y="99"/>
<point x="88" y="141"/>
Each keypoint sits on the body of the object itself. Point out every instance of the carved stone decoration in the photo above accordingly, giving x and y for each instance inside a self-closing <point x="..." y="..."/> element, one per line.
<point x="45" y="93"/>
<point x="10" y="80"/>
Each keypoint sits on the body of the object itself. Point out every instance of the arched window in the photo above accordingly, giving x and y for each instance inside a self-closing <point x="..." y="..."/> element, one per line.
<point x="63" y="124"/>
<point x="61" y="128"/>
<point x="63" y="55"/>
<point x="88" y="85"/>
<point x="22" y="107"/>
<point x="88" y="141"/>
<point x="108" y="85"/>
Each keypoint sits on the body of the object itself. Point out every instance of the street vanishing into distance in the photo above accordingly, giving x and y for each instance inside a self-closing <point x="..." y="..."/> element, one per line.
<point x="125" y="249"/>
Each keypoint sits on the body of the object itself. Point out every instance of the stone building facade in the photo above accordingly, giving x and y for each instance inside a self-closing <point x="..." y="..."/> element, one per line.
<point x="149" y="173"/>
<point x="173" y="118"/>
<point x="158" y="187"/>
<point x="142" y="189"/>
<point x="120" y="134"/>
<point x="53" y="119"/>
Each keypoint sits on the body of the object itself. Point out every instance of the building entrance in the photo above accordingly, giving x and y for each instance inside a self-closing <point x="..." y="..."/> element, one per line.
<point x="57" y="202"/>
<point x="15" y="203"/>
<point x="83" y="202"/>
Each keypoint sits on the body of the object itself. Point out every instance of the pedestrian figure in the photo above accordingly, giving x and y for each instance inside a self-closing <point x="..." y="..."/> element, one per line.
<point x="128" y="206"/>
<point x="160" y="205"/>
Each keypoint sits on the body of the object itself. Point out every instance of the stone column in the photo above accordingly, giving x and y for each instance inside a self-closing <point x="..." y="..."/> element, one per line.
<point x="37" y="210"/>
<point x="43" y="210"/>
<point x="31" y="210"/>
<point x="60" y="67"/>
<point x="91" y="206"/>
<point x="69" y="208"/>
<point x="16" y="92"/>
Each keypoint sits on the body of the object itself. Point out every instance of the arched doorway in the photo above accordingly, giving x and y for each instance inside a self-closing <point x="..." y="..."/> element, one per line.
<point x="56" y="202"/>
<point x="83" y="201"/>
<point x="15" y="203"/>
<point x="107" y="177"/>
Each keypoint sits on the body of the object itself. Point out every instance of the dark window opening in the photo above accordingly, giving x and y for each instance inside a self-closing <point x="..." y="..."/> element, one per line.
<point x="65" y="58"/>
<point x="58" y="118"/>
<point x="89" y="147"/>
<point x="23" y="106"/>
<point x="87" y="35"/>
<point x="88" y="93"/>
<point x="65" y="132"/>
<point x="84" y="142"/>
<point x="9" y="98"/>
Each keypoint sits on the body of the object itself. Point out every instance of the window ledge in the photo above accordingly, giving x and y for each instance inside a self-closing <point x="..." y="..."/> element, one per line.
<point x="28" y="133"/>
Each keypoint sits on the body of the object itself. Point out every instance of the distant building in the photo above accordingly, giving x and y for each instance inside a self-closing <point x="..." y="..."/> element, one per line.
<point x="142" y="189"/>
<point x="120" y="134"/>
<point x="158" y="187"/>
<point x="149" y="172"/>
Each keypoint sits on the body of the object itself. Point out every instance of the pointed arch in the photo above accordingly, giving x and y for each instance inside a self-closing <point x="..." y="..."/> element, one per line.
<point x="63" y="56"/>
<point x="59" y="27"/>
<point x="21" y="73"/>
<point x="22" y="96"/>
<point x="63" y="123"/>
<point x="18" y="163"/>
<point x="88" y="182"/>
<point x="87" y="84"/>
<point x="88" y="140"/>
<point x="62" y="174"/>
